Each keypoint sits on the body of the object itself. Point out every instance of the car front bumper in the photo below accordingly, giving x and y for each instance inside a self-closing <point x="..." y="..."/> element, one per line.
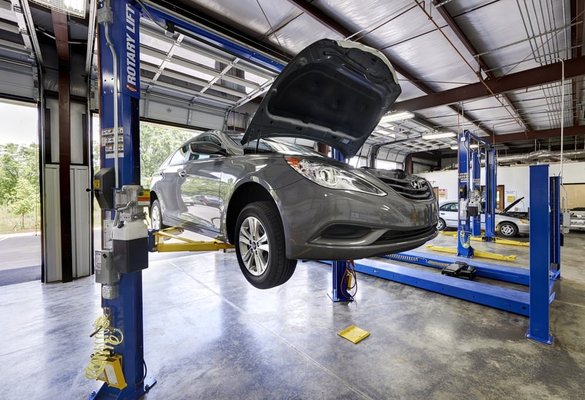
<point x="327" y="224"/>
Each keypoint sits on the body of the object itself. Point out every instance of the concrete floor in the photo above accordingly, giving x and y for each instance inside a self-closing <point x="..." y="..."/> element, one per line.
<point x="210" y="335"/>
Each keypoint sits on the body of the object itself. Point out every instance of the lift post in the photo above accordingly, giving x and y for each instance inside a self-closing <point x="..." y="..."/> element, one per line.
<point x="463" y="226"/>
<point x="119" y="123"/>
<point x="339" y="291"/>
<point x="476" y="188"/>
<point x="541" y="241"/>
<point x="491" y="179"/>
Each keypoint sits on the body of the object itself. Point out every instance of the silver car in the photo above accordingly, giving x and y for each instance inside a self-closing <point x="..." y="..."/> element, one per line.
<point x="508" y="223"/>
<point x="278" y="202"/>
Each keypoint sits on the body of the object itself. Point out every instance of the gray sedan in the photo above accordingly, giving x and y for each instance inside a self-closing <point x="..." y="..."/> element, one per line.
<point x="278" y="202"/>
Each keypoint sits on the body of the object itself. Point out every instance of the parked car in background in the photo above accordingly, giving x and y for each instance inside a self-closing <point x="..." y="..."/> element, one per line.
<point x="278" y="202"/>
<point x="578" y="219"/>
<point x="508" y="223"/>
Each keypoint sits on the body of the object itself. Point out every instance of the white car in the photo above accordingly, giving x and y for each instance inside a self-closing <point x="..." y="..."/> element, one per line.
<point x="508" y="223"/>
<point x="578" y="219"/>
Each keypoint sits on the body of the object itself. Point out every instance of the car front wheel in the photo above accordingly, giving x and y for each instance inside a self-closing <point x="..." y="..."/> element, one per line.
<point x="260" y="246"/>
<point x="156" y="221"/>
<point x="508" y="229"/>
<point x="441" y="225"/>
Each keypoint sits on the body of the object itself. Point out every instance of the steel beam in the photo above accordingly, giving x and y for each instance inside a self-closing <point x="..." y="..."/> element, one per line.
<point x="540" y="134"/>
<point x="520" y="80"/>
<point x="61" y="29"/>
<point x="334" y="25"/>
<point x="473" y="51"/>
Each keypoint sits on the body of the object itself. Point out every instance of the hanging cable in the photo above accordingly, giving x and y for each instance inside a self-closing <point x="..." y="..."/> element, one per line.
<point x="115" y="77"/>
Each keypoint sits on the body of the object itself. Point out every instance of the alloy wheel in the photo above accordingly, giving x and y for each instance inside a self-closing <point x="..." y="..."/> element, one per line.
<point x="156" y="217"/>
<point x="254" y="247"/>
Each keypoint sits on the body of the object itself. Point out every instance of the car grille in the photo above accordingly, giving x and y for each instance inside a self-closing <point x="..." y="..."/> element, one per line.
<point x="393" y="236"/>
<point x="406" y="188"/>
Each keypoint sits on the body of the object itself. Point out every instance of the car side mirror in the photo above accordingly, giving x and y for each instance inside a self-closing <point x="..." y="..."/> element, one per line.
<point x="207" y="148"/>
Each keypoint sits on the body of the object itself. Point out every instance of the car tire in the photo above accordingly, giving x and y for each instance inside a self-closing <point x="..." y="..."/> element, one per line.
<point x="441" y="225"/>
<point x="156" y="218"/>
<point x="508" y="229"/>
<point x="260" y="246"/>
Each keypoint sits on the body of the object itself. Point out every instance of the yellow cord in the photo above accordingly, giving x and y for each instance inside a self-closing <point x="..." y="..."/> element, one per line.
<point x="106" y="337"/>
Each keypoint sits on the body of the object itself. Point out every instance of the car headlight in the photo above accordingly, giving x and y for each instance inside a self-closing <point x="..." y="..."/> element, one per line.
<point x="332" y="177"/>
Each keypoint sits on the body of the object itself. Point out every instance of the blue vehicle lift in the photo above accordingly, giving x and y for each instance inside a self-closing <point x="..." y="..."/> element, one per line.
<point x="119" y="66"/>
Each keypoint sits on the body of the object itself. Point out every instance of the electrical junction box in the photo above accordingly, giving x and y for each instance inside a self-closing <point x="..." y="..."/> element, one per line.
<point x="103" y="187"/>
<point x="130" y="245"/>
<point x="104" y="268"/>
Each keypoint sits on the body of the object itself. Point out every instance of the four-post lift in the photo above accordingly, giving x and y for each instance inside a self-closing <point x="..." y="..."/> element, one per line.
<point x="545" y="238"/>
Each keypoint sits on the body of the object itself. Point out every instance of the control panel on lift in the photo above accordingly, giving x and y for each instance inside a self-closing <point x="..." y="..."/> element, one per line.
<point x="126" y="243"/>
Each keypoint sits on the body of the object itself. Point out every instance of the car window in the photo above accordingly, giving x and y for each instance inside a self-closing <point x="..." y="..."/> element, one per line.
<point x="449" y="207"/>
<point x="179" y="157"/>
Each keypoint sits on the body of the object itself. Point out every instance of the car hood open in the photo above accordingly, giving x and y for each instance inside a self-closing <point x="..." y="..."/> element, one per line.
<point x="511" y="205"/>
<point x="332" y="92"/>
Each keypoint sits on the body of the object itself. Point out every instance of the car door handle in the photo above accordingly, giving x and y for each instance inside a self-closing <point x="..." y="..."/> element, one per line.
<point x="182" y="173"/>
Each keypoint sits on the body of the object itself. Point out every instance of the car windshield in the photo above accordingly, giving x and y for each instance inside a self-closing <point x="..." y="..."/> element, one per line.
<point x="272" y="146"/>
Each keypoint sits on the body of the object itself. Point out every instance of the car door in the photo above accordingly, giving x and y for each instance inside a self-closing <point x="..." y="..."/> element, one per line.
<point x="169" y="184"/>
<point x="200" y="189"/>
<point x="448" y="212"/>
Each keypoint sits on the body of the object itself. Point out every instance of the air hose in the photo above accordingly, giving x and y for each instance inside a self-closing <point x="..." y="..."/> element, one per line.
<point x="106" y="338"/>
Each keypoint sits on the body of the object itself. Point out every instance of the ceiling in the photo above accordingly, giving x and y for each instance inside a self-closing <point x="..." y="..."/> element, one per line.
<point x="435" y="46"/>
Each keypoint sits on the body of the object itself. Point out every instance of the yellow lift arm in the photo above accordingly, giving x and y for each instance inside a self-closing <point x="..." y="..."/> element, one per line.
<point x="161" y="242"/>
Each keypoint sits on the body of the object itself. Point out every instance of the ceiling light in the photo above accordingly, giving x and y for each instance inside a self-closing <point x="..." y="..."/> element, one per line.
<point x="454" y="147"/>
<point x="72" y="7"/>
<point x="439" y="135"/>
<point x="397" y="116"/>
<point x="473" y="146"/>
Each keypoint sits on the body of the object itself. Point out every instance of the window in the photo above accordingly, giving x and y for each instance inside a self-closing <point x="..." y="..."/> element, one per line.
<point x="449" y="207"/>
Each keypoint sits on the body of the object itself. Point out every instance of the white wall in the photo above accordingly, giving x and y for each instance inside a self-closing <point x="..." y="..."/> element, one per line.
<point x="515" y="180"/>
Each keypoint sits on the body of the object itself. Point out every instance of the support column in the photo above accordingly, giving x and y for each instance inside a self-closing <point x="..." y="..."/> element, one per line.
<point x="66" y="216"/>
<point x="476" y="187"/>
<point x="119" y="67"/>
<point x="339" y="282"/>
<point x="491" y="186"/>
<point x="464" y="248"/>
<point x="539" y="286"/>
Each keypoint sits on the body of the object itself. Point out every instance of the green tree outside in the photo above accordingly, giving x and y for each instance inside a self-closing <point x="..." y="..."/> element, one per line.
<point x="19" y="173"/>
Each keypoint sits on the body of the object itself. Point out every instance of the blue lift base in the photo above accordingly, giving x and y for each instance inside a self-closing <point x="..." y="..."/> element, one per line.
<point x="520" y="276"/>
<point x="506" y="299"/>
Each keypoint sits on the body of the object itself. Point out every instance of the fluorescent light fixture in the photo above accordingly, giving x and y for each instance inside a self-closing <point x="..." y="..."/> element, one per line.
<point x="72" y="7"/>
<point x="454" y="147"/>
<point x="473" y="146"/>
<point x="439" y="135"/>
<point x="397" y="116"/>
